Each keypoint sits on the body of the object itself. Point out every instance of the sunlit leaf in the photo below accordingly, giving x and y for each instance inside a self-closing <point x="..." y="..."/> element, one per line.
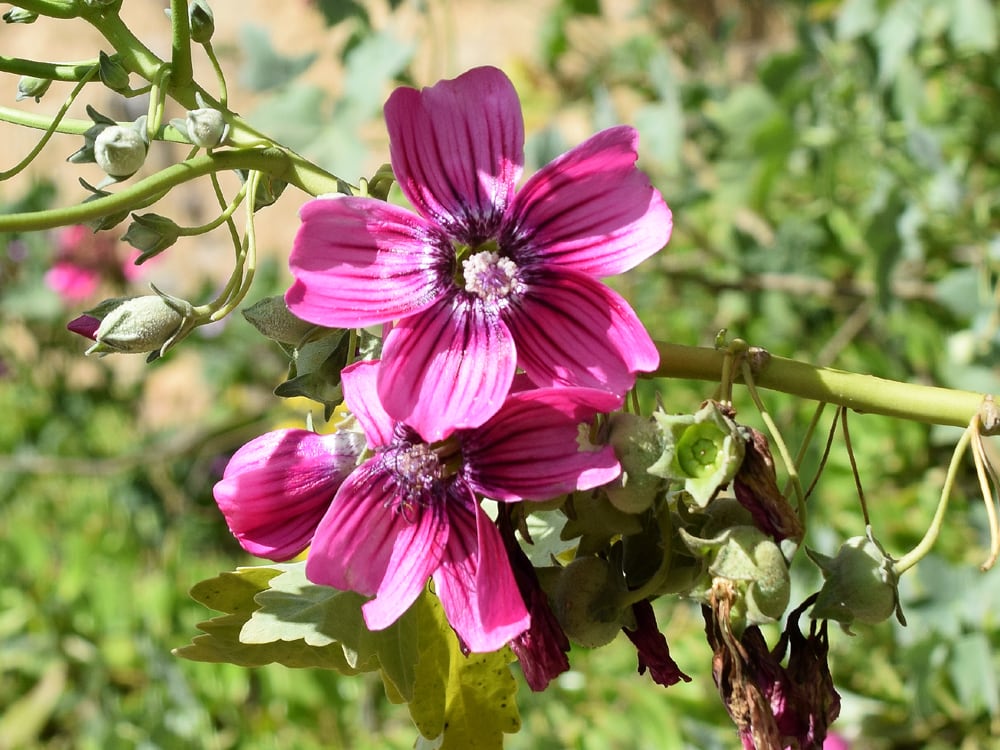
<point x="460" y="702"/>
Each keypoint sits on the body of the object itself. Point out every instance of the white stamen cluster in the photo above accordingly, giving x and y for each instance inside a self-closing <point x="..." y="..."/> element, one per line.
<point x="490" y="276"/>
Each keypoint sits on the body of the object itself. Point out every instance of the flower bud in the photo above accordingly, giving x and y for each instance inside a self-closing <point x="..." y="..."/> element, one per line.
<point x="755" y="566"/>
<point x="201" y="21"/>
<point x="703" y="450"/>
<point x="151" y="234"/>
<point x="272" y="318"/>
<point x="120" y="150"/>
<point x="30" y="87"/>
<point x="113" y="73"/>
<point x="206" y="128"/>
<point x="637" y="445"/>
<point x="859" y="584"/>
<point x="19" y="15"/>
<point x="586" y="602"/>
<point x="135" y="325"/>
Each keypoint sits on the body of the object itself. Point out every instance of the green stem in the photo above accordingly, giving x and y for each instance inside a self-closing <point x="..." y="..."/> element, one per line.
<point x="862" y="393"/>
<point x="72" y="126"/>
<point x="52" y="127"/>
<point x="270" y="160"/>
<point x="180" y="55"/>
<point x="51" y="8"/>
<point x="67" y="71"/>
<point x="918" y="553"/>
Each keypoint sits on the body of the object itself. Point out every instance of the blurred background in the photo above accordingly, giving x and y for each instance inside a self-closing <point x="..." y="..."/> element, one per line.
<point x="834" y="172"/>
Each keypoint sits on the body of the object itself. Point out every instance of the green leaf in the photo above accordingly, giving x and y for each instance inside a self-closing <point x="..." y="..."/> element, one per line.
<point x="265" y="68"/>
<point x="974" y="26"/>
<point x="460" y="702"/>
<point x="234" y="593"/>
<point x="368" y="66"/>
<point x="295" y="609"/>
<point x="974" y="674"/>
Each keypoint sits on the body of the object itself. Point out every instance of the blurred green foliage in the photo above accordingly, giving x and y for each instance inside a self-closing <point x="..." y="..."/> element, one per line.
<point x="833" y="172"/>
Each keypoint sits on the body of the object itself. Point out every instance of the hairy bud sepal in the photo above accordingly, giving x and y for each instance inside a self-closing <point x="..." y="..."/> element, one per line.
<point x="29" y="87"/>
<point x="638" y="446"/>
<point x="860" y="584"/>
<point x="150" y="324"/>
<point x="586" y="600"/>
<point x="756" y="568"/>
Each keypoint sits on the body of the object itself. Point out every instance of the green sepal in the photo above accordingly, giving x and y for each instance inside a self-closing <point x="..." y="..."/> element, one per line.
<point x="314" y="372"/>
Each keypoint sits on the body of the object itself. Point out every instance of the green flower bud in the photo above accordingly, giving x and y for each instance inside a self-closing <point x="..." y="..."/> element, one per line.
<point x="638" y="445"/>
<point x="206" y="128"/>
<point x="859" y="584"/>
<point x="151" y="234"/>
<point x="30" y="87"/>
<point x="19" y="15"/>
<point x="586" y="601"/>
<point x="113" y="73"/>
<point x="753" y="563"/>
<point x="201" y="21"/>
<point x="273" y="319"/>
<point x="120" y="150"/>
<point x="703" y="450"/>
<point x="136" y="325"/>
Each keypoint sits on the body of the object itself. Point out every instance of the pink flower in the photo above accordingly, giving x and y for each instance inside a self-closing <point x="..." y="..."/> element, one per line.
<point x="484" y="279"/>
<point x="85" y="258"/>
<point x="411" y="511"/>
<point x="276" y="488"/>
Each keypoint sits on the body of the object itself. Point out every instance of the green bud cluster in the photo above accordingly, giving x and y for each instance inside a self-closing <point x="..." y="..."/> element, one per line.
<point x="587" y="601"/>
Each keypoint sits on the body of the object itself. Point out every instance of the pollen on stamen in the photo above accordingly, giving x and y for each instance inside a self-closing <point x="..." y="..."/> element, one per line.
<point x="417" y="469"/>
<point x="490" y="276"/>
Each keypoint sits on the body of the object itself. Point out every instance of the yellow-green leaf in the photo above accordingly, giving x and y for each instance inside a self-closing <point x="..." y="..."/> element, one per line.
<point x="460" y="702"/>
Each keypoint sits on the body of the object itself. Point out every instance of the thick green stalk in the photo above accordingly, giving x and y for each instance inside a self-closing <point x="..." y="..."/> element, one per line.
<point x="180" y="56"/>
<point x="862" y="393"/>
<point x="273" y="161"/>
<point x="51" y="8"/>
<point x="68" y="71"/>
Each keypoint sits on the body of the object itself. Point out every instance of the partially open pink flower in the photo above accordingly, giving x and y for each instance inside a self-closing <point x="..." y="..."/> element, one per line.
<point x="483" y="278"/>
<point x="411" y="511"/>
<point x="276" y="488"/>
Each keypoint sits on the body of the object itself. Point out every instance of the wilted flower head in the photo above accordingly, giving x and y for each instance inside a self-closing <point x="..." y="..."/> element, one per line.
<point x="484" y="278"/>
<point x="773" y="706"/>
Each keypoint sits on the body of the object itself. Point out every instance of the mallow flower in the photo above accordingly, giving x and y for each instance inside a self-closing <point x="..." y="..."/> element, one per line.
<point x="484" y="278"/>
<point x="411" y="511"/>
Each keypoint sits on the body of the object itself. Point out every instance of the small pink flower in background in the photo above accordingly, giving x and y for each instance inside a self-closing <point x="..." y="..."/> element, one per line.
<point x="84" y="259"/>
<point x="484" y="278"/>
<point x="411" y="512"/>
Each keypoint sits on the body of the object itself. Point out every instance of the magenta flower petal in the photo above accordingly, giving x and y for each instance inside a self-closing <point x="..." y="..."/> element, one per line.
<point x="447" y="368"/>
<point x="360" y="395"/>
<point x="571" y="330"/>
<point x="591" y="209"/>
<point x="475" y="583"/>
<point x="457" y="149"/>
<point x="416" y="553"/>
<point x="276" y="488"/>
<point x="353" y="544"/>
<point x="359" y="262"/>
<point x="85" y="325"/>
<point x="533" y="448"/>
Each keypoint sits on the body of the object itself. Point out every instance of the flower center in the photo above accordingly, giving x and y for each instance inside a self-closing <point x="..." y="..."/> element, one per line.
<point x="490" y="276"/>
<point x="421" y="472"/>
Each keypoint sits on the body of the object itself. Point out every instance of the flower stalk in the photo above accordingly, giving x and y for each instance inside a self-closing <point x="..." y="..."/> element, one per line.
<point x="862" y="393"/>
